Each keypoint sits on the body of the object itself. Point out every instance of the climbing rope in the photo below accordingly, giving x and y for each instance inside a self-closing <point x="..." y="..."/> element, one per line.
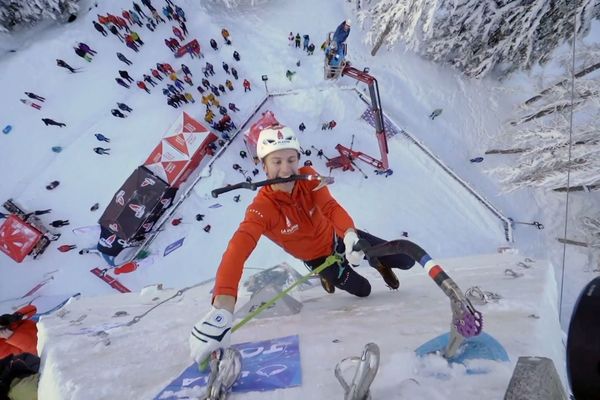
<point x="564" y="252"/>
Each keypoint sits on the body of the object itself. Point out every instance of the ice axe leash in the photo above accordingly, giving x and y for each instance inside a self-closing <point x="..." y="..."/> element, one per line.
<point x="225" y="364"/>
<point x="466" y="320"/>
<point x="329" y="261"/>
<point x="323" y="181"/>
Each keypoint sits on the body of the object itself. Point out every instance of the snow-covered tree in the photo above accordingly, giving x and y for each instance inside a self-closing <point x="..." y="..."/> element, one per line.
<point x="589" y="229"/>
<point x="17" y="12"/>
<point x="540" y="137"/>
<point x="545" y="161"/>
<point x="477" y="37"/>
<point x="542" y="134"/>
<point x="238" y="3"/>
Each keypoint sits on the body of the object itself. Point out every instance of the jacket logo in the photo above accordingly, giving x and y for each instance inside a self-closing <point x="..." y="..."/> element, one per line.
<point x="290" y="228"/>
<point x="279" y="135"/>
<point x="120" y="198"/>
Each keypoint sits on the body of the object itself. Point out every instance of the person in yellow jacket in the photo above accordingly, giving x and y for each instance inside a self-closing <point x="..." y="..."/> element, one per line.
<point x="188" y="96"/>
<point x="134" y="35"/>
<point x="225" y="34"/>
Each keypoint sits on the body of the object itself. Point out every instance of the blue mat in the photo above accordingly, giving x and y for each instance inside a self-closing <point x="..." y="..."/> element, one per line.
<point x="480" y="347"/>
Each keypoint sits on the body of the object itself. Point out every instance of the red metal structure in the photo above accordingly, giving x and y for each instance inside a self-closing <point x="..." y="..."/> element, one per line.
<point x="23" y="234"/>
<point x="344" y="160"/>
<point x="17" y="238"/>
<point x="347" y="155"/>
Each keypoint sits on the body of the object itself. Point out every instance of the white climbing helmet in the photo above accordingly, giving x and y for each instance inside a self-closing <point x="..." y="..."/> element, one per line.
<point x="276" y="137"/>
<point x="348" y="22"/>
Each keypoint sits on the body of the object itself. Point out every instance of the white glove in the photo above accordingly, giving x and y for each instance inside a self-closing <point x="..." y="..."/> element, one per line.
<point x="5" y="333"/>
<point x="353" y="257"/>
<point x="210" y="333"/>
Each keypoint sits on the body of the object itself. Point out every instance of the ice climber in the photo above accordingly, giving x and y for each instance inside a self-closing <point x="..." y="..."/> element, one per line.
<point x="304" y="219"/>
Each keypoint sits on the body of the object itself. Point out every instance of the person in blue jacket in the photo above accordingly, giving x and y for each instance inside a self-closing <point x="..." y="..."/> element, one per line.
<point x="341" y="33"/>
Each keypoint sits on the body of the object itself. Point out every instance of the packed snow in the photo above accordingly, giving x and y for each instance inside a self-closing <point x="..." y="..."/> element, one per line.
<point x="420" y="198"/>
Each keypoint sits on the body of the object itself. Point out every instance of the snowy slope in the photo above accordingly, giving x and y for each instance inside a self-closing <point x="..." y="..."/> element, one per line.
<point x="136" y="361"/>
<point x="418" y="197"/>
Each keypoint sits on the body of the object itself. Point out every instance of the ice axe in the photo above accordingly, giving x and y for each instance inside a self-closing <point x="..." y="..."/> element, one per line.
<point x="466" y="320"/>
<point x="323" y="181"/>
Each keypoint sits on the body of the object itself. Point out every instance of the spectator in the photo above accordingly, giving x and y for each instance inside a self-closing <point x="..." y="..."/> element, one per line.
<point x="101" y="151"/>
<point x="143" y="86"/>
<point x="121" y="57"/>
<point x="117" y="113"/>
<point x="247" y="85"/>
<point x="99" y="28"/>
<point x="48" y="121"/>
<point x="59" y="223"/>
<point x="18" y="333"/>
<point x="124" y="107"/>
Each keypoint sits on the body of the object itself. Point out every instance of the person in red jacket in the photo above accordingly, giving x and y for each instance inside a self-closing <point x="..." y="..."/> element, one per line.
<point x="126" y="15"/>
<point x="18" y="333"/>
<point x="168" y="68"/>
<point x="304" y="219"/>
<point x="177" y="32"/>
<point x="246" y="85"/>
<point x="142" y="85"/>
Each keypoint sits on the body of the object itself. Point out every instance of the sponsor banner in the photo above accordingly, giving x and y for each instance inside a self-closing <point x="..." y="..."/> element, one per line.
<point x="173" y="246"/>
<point x="266" y="365"/>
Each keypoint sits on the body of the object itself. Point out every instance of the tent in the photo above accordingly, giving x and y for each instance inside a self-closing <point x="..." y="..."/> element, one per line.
<point x="134" y="209"/>
<point x="181" y="150"/>
<point x="151" y="188"/>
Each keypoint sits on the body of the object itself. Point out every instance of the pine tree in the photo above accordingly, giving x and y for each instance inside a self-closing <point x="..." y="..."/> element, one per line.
<point x="17" y="12"/>
<point x="477" y="37"/>
<point x="543" y="131"/>
<point x="238" y="3"/>
<point x="550" y="155"/>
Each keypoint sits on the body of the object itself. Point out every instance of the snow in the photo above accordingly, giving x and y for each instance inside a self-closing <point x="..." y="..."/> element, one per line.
<point x="420" y="198"/>
<point x="391" y="319"/>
